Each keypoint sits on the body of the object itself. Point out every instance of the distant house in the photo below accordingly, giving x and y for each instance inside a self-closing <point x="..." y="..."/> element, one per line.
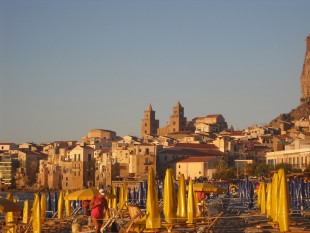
<point x="168" y="157"/>
<point x="195" y="167"/>
<point x="6" y="146"/>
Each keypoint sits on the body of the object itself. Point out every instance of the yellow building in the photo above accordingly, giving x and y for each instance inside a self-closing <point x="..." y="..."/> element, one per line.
<point x="195" y="167"/>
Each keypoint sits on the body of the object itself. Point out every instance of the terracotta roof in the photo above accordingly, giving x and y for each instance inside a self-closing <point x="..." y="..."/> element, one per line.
<point x="195" y="145"/>
<point x="196" y="159"/>
<point x="190" y="152"/>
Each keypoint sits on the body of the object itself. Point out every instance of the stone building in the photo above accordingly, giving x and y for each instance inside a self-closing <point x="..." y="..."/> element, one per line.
<point x="178" y="123"/>
<point x="305" y="76"/>
<point x="149" y="124"/>
<point x="214" y="123"/>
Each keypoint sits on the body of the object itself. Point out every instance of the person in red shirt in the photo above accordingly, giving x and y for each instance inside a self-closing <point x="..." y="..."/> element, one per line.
<point x="98" y="206"/>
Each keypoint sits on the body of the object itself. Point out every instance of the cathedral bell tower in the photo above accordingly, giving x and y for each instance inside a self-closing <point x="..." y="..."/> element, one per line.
<point x="149" y="124"/>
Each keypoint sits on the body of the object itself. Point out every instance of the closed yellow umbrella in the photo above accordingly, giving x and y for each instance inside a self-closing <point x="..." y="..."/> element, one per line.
<point x="182" y="207"/>
<point x="169" y="198"/>
<point x="153" y="220"/>
<point x="26" y="212"/>
<point x="10" y="217"/>
<point x="43" y="207"/>
<point x="68" y="205"/>
<point x="263" y="198"/>
<point x="283" y="205"/>
<point x="274" y="197"/>
<point x="125" y="193"/>
<point x="259" y="196"/>
<point x="268" y="200"/>
<point x="61" y="205"/>
<point x="114" y="201"/>
<point x="191" y="208"/>
<point x="36" y="214"/>
<point x="121" y="201"/>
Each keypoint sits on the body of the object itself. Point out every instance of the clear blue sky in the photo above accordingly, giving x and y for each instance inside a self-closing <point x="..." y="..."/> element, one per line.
<point x="70" y="66"/>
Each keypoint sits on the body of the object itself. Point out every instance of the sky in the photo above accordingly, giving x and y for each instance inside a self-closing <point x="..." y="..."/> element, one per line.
<point x="67" y="67"/>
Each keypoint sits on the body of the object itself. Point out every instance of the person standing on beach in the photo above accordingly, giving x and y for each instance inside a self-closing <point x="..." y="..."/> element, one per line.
<point x="99" y="207"/>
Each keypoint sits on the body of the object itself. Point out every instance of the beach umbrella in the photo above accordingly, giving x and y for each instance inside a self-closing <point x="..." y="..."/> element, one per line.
<point x="55" y="202"/>
<point x="207" y="188"/>
<point x="263" y="198"/>
<point x="153" y="220"/>
<point x="114" y="201"/>
<point x="10" y="217"/>
<point x="121" y="201"/>
<point x="268" y="200"/>
<point x="140" y="195"/>
<point x="61" y="205"/>
<point x="283" y="199"/>
<point x="36" y="214"/>
<point x="145" y="190"/>
<point x="169" y="197"/>
<point x="68" y="205"/>
<point x="48" y="202"/>
<point x="191" y="209"/>
<point x="259" y="197"/>
<point x="182" y="205"/>
<point x="84" y="194"/>
<point x="43" y="208"/>
<point x="274" y="197"/>
<point x="125" y="193"/>
<point x="26" y="212"/>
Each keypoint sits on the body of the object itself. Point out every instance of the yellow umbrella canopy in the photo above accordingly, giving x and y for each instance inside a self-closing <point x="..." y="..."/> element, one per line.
<point x="61" y="205"/>
<point x="153" y="220"/>
<point x="263" y="198"/>
<point x="283" y="202"/>
<point x="191" y="209"/>
<point x="84" y="194"/>
<point x="268" y="200"/>
<point x="36" y="214"/>
<point x="182" y="207"/>
<point x="43" y="207"/>
<point x="207" y="188"/>
<point x="7" y="205"/>
<point x="9" y="215"/>
<point x="274" y="197"/>
<point x="26" y="212"/>
<point x="169" y="197"/>
<point x="68" y="205"/>
<point x="114" y="199"/>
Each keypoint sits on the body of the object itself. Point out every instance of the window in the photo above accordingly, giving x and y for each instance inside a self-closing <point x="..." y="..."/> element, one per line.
<point x="179" y="166"/>
<point x="89" y="157"/>
<point x="145" y="124"/>
<point x="79" y="158"/>
<point x="147" y="151"/>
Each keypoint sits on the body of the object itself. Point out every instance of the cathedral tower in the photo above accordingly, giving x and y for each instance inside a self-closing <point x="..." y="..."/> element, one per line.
<point x="177" y="119"/>
<point x="149" y="124"/>
<point x="305" y="76"/>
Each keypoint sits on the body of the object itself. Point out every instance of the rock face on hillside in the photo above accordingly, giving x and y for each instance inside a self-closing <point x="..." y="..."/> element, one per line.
<point x="303" y="110"/>
<point x="305" y="75"/>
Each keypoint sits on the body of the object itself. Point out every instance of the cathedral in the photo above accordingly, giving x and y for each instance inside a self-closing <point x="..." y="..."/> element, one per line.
<point x="150" y="126"/>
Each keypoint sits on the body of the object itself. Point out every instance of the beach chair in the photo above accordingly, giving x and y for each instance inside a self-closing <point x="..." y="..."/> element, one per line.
<point x="136" y="222"/>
